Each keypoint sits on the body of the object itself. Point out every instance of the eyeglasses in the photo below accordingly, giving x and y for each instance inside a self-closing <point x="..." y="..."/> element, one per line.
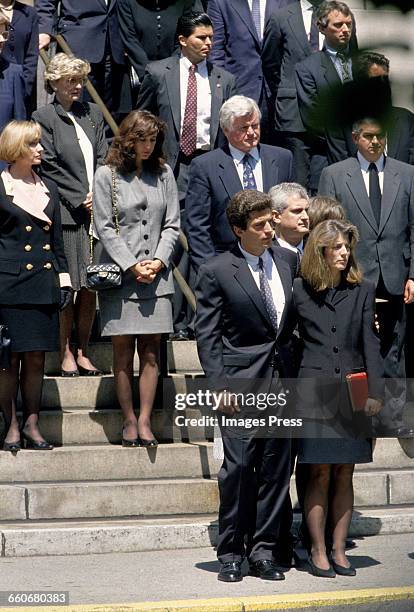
<point x="5" y="35"/>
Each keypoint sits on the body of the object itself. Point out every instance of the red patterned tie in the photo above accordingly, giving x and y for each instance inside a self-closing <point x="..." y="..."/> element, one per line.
<point x="188" y="141"/>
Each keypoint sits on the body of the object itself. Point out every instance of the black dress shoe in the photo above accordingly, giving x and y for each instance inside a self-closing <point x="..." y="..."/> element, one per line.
<point x="404" y="432"/>
<point x="266" y="569"/>
<point x="283" y="561"/>
<point x="230" y="572"/>
<point x="131" y="443"/>
<point x="12" y="447"/>
<point x="34" y="444"/>
<point x="343" y="571"/>
<point x="87" y="372"/>
<point x="319" y="572"/>
<point x="148" y="443"/>
<point x="69" y="373"/>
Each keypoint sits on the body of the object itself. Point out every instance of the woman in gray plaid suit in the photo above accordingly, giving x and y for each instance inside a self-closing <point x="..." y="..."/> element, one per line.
<point x="140" y="240"/>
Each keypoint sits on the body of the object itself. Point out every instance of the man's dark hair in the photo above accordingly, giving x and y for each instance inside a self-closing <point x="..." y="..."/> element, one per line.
<point x="327" y="7"/>
<point x="363" y="62"/>
<point x="188" y="23"/>
<point x="243" y="203"/>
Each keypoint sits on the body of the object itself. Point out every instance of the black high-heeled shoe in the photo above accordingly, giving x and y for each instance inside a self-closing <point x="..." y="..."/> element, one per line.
<point x="12" y="447"/>
<point x="32" y="444"/>
<point x="343" y="571"/>
<point x="319" y="572"/>
<point x="148" y="443"/>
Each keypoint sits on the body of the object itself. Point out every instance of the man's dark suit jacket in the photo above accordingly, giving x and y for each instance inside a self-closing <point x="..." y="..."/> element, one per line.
<point x="285" y="44"/>
<point x="148" y="28"/>
<point x="400" y="136"/>
<point x="213" y="180"/>
<point x="236" y="45"/>
<point x="23" y="44"/>
<point x="37" y="285"/>
<point x="160" y="94"/>
<point x="317" y="84"/>
<point x="63" y="161"/>
<point x="389" y="248"/>
<point x="85" y="25"/>
<point x="235" y="337"/>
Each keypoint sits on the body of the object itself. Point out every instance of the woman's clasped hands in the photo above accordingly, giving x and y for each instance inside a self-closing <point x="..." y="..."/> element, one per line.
<point x="145" y="271"/>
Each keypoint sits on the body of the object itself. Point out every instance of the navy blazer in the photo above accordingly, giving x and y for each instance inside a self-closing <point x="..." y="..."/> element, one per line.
<point x="236" y="45"/>
<point x="213" y="180"/>
<point x="235" y="337"/>
<point x="30" y="275"/>
<point x="86" y="26"/>
<point x="12" y="92"/>
<point x="338" y="338"/>
<point x="23" y="44"/>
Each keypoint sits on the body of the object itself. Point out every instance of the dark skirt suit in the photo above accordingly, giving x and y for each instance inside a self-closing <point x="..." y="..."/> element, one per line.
<point x="31" y="260"/>
<point x="337" y="330"/>
<point x="64" y="164"/>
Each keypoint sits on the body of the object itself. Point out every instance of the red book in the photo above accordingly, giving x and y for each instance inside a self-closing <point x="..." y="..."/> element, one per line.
<point x="358" y="390"/>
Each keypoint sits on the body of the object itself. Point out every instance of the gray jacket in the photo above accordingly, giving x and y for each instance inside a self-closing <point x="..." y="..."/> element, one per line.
<point x="149" y="221"/>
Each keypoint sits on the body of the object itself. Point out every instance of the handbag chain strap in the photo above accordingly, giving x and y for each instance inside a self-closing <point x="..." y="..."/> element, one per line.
<point x="114" y="201"/>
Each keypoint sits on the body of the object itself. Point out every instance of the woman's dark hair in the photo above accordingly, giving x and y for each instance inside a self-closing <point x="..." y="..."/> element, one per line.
<point x="188" y="23"/>
<point x="138" y="124"/>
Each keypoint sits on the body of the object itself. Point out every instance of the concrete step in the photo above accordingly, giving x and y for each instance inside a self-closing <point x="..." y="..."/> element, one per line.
<point x="159" y="533"/>
<point x="182" y="356"/>
<point x="107" y="462"/>
<point x="117" y="498"/>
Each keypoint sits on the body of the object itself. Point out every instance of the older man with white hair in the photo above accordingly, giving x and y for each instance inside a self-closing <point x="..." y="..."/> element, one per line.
<point x="242" y="163"/>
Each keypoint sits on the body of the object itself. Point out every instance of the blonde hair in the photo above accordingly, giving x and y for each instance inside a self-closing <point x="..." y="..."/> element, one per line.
<point x="16" y="138"/>
<point x="63" y="65"/>
<point x="314" y="269"/>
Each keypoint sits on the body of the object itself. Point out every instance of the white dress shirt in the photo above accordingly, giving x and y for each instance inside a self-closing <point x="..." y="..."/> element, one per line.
<point x="86" y="148"/>
<point x="203" y="100"/>
<point x="295" y="249"/>
<point x="256" y="164"/>
<point x="307" y="10"/>
<point x="272" y="275"/>
<point x="365" y="170"/>
<point x="262" y="14"/>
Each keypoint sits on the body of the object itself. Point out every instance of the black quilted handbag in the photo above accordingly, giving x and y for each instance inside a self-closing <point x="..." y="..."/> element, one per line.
<point x="5" y="348"/>
<point x="105" y="275"/>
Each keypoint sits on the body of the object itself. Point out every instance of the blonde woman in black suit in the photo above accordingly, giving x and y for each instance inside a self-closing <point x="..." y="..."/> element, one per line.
<point x="335" y="309"/>
<point x="34" y="279"/>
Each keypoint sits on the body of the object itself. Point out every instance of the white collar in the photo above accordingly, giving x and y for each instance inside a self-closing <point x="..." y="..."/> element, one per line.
<point x="364" y="163"/>
<point x="201" y="66"/>
<point x="291" y="247"/>
<point x="238" y="155"/>
<point x="253" y="260"/>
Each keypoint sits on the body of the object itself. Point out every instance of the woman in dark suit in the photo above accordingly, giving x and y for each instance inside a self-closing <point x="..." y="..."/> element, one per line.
<point x="34" y="279"/>
<point x="335" y="308"/>
<point x="22" y="45"/>
<point x="74" y="145"/>
<point x="148" y="28"/>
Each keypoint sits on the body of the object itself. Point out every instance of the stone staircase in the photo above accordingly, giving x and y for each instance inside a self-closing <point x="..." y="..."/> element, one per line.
<point x="91" y="495"/>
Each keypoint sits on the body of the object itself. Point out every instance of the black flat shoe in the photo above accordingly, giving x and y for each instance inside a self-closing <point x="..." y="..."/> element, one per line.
<point x="34" y="445"/>
<point x="265" y="569"/>
<point x="148" y="443"/>
<point x="86" y="372"/>
<point x="12" y="447"/>
<point x="319" y="572"/>
<point x="69" y="373"/>
<point x="131" y="443"/>
<point x="343" y="571"/>
<point x="230" y="572"/>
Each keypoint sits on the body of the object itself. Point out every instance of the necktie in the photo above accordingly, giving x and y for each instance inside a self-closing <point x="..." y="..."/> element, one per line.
<point x="256" y="17"/>
<point x="266" y="292"/>
<point x="345" y="68"/>
<point x="314" y="33"/>
<point x="249" y="181"/>
<point x="375" y="192"/>
<point x="188" y="141"/>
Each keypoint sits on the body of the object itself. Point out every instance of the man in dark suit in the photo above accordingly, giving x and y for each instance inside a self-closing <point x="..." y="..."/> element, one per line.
<point x="320" y="76"/>
<point x="91" y="29"/>
<point x="214" y="178"/>
<point x="167" y="91"/>
<point x="237" y="46"/>
<point x="244" y="325"/>
<point x="377" y="194"/>
<point x="290" y="203"/>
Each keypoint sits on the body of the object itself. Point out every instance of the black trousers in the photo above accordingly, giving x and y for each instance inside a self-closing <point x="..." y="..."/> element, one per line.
<point x="255" y="509"/>
<point x="309" y="158"/>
